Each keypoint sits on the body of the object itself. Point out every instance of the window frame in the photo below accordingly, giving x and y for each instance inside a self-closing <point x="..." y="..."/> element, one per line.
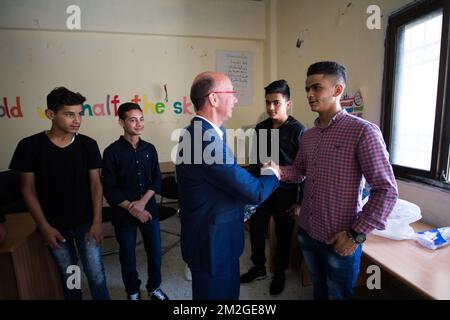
<point x="441" y="135"/>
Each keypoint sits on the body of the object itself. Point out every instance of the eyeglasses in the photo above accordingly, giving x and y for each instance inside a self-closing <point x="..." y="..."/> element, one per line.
<point x="233" y="92"/>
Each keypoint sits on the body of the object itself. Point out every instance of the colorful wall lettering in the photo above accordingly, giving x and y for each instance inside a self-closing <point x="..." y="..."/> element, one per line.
<point x="107" y="107"/>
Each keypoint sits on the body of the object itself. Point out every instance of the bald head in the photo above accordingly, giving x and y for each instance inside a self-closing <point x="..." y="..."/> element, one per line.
<point x="203" y="84"/>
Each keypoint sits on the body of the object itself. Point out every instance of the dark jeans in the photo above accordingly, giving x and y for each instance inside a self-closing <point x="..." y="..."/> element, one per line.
<point x="126" y="231"/>
<point x="275" y="205"/>
<point x="91" y="259"/>
<point x="333" y="276"/>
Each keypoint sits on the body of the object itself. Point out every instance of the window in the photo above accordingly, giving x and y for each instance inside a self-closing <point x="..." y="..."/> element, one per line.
<point x="416" y="108"/>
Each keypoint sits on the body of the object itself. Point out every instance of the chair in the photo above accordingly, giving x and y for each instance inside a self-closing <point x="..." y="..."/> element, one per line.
<point x="168" y="207"/>
<point x="106" y="217"/>
<point x="169" y="190"/>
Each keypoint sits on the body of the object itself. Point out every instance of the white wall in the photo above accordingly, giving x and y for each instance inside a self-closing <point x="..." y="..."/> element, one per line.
<point x="333" y="31"/>
<point x="134" y="47"/>
<point x="123" y="48"/>
<point x="240" y="19"/>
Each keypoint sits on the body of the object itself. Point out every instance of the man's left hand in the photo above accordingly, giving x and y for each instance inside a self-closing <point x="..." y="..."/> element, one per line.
<point x="343" y="245"/>
<point x="96" y="232"/>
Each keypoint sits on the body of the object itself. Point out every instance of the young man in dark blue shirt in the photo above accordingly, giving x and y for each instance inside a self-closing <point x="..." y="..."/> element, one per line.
<point x="289" y="130"/>
<point x="131" y="178"/>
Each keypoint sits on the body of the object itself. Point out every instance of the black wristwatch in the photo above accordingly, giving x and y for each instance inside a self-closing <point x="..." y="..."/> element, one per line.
<point x="357" y="238"/>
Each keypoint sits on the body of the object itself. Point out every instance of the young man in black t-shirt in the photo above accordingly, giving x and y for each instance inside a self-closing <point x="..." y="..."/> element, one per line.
<point x="61" y="185"/>
<point x="131" y="177"/>
<point x="279" y="203"/>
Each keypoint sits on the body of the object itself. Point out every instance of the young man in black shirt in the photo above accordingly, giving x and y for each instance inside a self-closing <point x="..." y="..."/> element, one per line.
<point x="131" y="177"/>
<point x="289" y="130"/>
<point x="61" y="185"/>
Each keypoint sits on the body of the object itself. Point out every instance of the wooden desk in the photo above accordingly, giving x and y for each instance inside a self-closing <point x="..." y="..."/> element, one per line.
<point x="427" y="271"/>
<point x="27" y="270"/>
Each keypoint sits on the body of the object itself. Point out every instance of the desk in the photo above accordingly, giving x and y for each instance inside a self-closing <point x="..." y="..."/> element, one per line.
<point x="27" y="270"/>
<point x="427" y="271"/>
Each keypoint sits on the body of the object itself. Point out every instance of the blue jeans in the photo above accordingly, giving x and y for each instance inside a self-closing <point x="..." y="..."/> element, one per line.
<point x="333" y="276"/>
<point x="91" y="259"/>
<point x="126" y="231"/>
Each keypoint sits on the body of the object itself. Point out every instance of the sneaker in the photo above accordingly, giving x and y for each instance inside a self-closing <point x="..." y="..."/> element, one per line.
<point x="187" y="273"/>
<point x="277" y="285"/>
<point x="158" y="294"/>
<point x="136" y="296"/>
<point x="254" y="274"/>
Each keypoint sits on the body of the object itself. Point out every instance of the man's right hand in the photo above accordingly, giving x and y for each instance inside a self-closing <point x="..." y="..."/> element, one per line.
<point x="52" y="237"/>
<point x="272" y="165"/>
<point x="294" y="210"/>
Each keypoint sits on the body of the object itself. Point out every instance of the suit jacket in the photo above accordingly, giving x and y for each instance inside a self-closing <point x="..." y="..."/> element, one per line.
<point x="212" y="197"/>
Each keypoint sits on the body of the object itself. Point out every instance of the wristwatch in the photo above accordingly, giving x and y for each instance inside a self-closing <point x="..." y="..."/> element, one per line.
<point x="357" y="238"/>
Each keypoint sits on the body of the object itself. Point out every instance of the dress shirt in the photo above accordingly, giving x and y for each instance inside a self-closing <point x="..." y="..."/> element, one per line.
<point x="336" y="160"/>
<point x="129" y="172"/>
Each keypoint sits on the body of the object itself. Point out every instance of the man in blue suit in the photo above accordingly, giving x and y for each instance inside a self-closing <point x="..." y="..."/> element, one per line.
<point x="213" y="191"/>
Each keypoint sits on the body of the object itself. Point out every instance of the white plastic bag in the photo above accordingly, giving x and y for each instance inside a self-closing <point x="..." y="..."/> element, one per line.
<point x="434" y="238"/>
<point x="398" y="222"/>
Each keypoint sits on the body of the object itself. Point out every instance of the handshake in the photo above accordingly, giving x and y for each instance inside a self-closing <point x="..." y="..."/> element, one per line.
<point x="269" y="167"/>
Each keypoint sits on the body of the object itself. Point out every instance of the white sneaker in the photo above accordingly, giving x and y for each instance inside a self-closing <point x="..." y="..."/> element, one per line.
<point x="158" y="294"/>
<point x="187" y="273"/>
<point x="135" y="296"/>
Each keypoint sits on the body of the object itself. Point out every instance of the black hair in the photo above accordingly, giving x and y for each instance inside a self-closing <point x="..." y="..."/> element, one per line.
<point x="279" y="86"/>
<point x="331" y="68"/>
<point x="61" y="96"/>
<point x="125" y="107"/>
<point x="199" y="90"/>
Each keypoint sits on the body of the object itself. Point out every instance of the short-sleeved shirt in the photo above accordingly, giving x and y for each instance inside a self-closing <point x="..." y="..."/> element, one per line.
<point x="61" y="176"/>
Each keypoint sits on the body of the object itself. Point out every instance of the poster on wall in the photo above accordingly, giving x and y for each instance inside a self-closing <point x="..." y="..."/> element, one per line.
<point x="353" y="103"/>
<point x="238" y="66"/>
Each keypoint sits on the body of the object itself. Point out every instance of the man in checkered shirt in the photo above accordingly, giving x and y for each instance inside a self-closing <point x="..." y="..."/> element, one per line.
<point x="336" y="157"/>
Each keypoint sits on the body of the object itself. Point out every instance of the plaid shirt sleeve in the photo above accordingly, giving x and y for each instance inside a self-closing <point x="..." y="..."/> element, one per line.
<point x="374" y="161"/>
<point x="295" y="172"/>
